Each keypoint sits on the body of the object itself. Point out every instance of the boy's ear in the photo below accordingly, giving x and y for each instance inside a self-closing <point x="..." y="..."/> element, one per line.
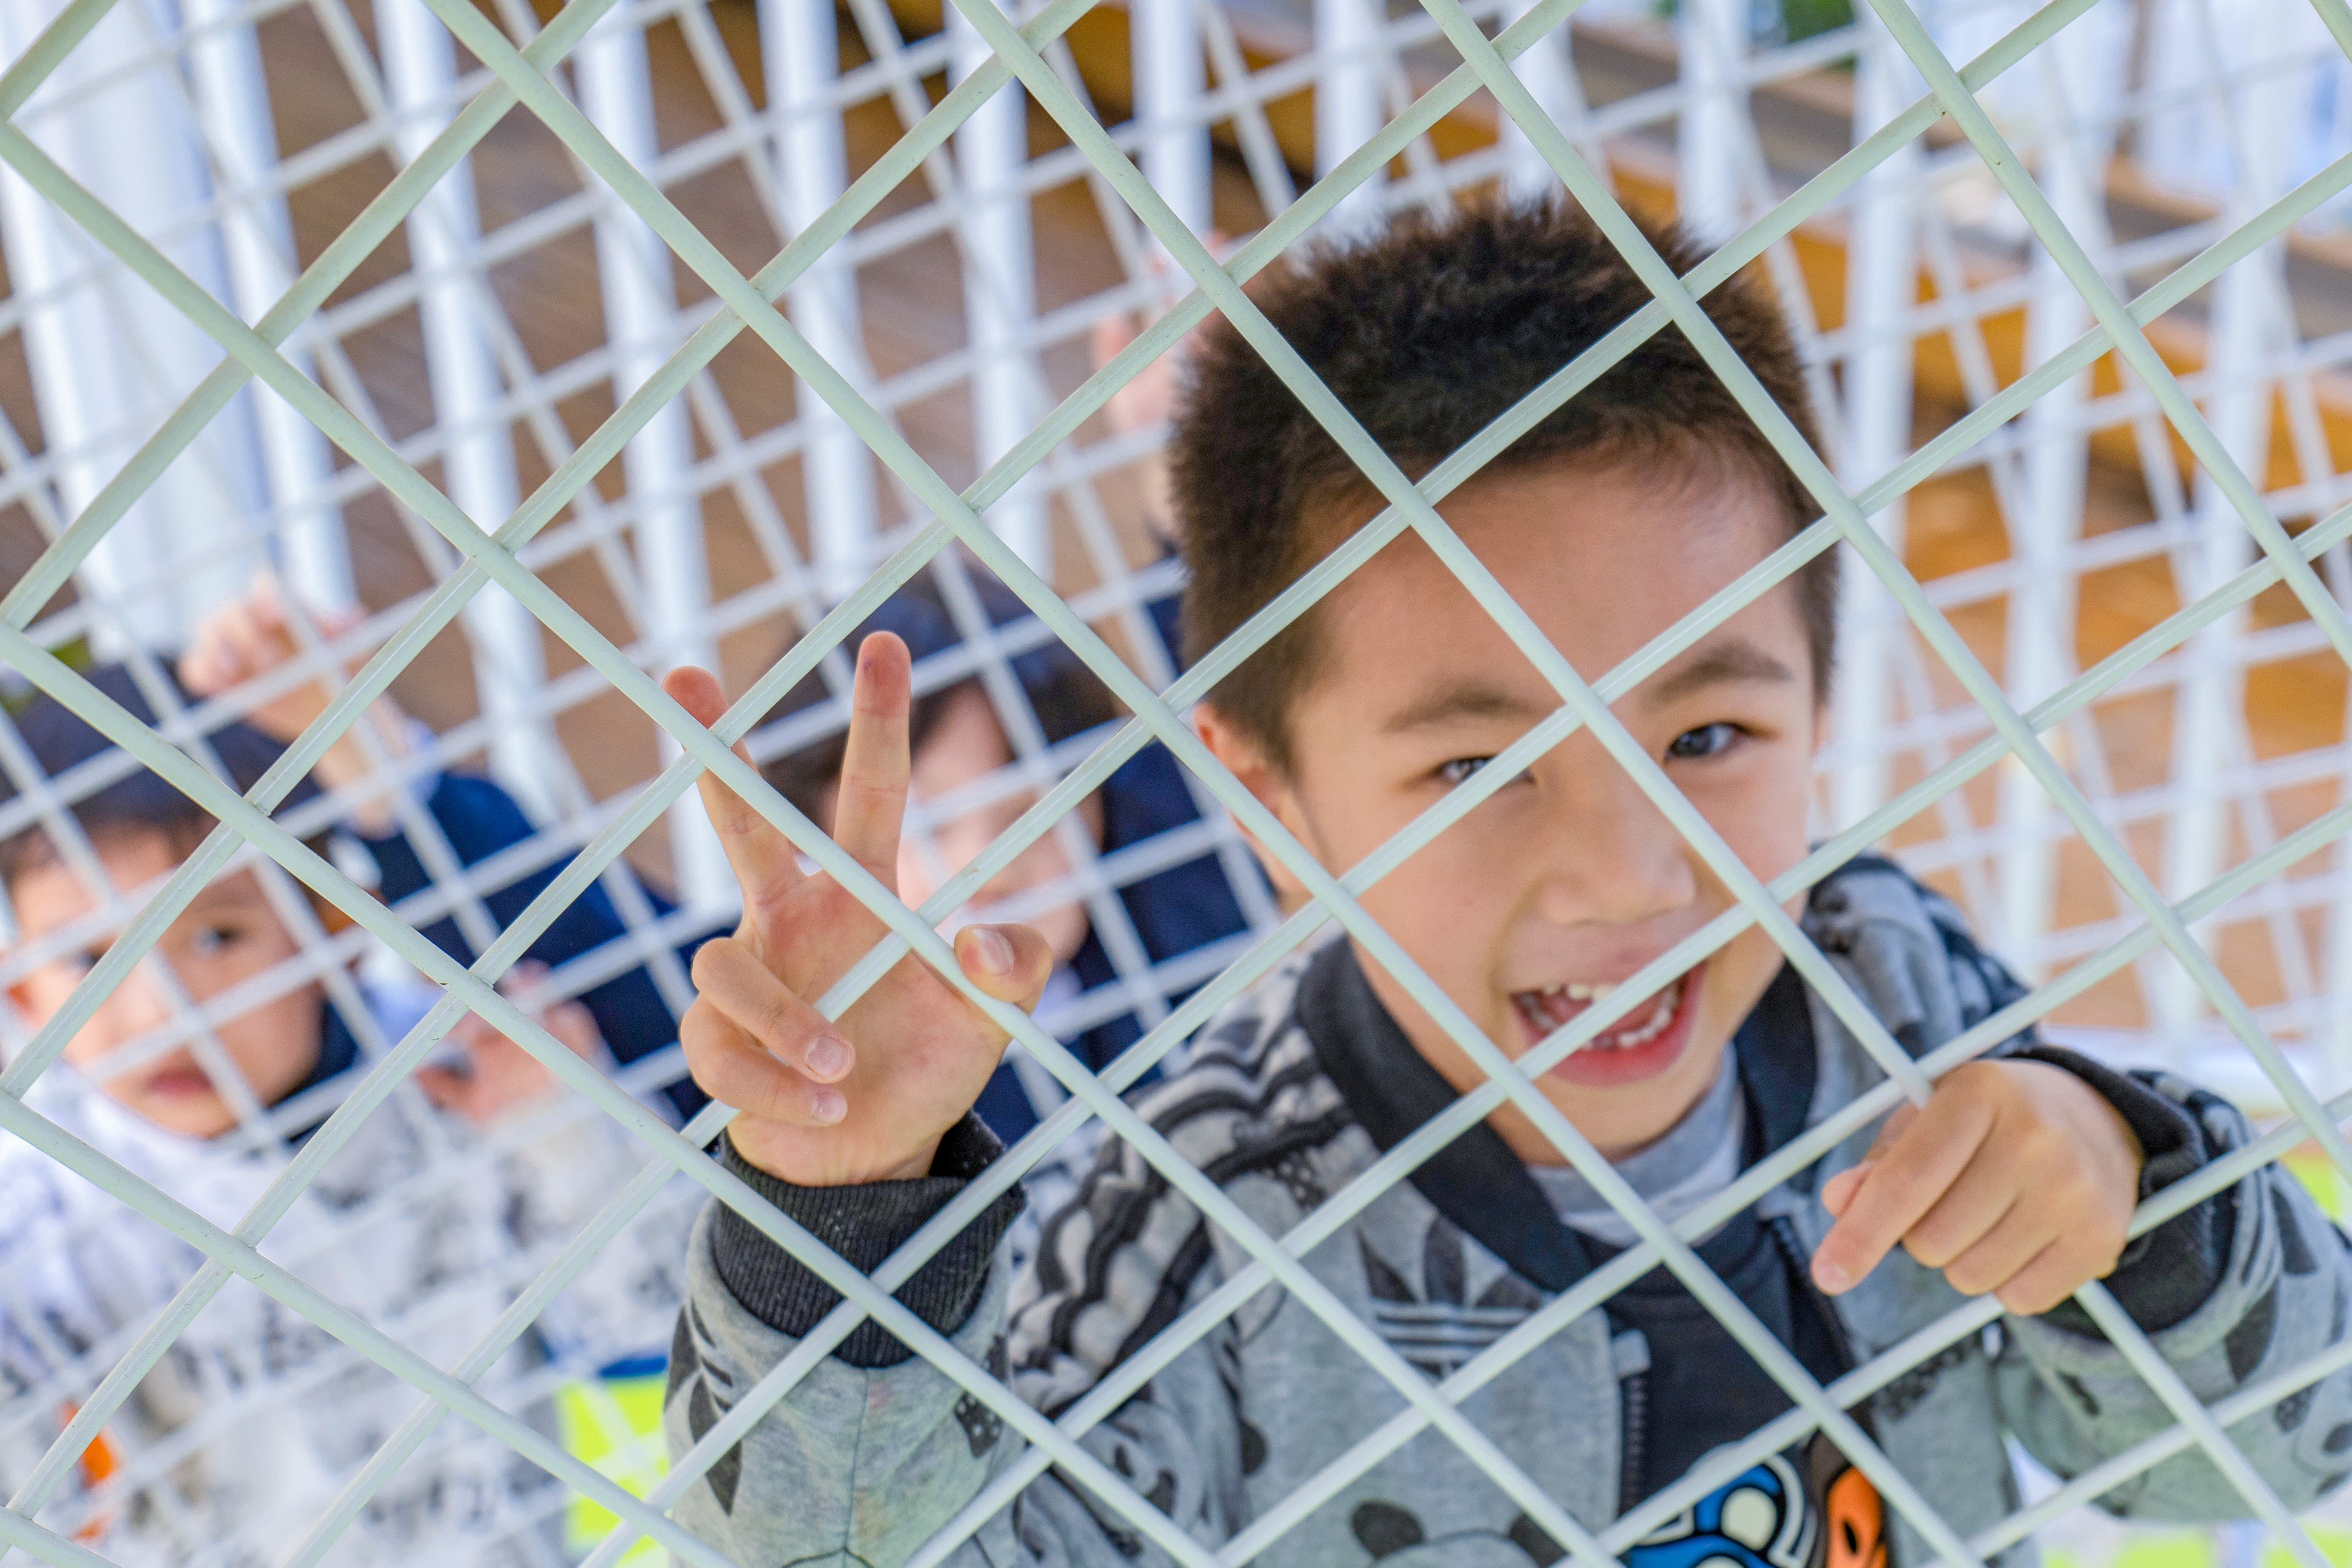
<point x="1241" y="753"/>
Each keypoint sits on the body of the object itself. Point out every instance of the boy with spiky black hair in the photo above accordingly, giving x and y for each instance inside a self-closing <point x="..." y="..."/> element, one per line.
<point x="1563" y="890"/>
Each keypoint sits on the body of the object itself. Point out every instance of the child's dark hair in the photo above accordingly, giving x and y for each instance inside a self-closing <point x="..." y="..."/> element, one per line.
<point x="1427" y="332"/>
<point x="1066" y="696"/>
<point x="140" y="801"/>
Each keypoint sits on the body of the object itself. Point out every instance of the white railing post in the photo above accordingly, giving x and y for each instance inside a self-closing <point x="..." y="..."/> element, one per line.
<point x="2041" y="604"/>
<point x="799" y="54"/>
<point x="1550" y="70"/>
<point x="477" y="466"/>
<point x="1882" y="291"/>
<point x="1164" y="45"/>
<point x="640" y="299"/>
<point x="1000" y="291"/>
<point x="2244" y="326"/>
<point x="2336" y="973"/>
<point x="1711" y="36"/>
<point x="232" y="103"/>
<point x="1348" y="100"/>
<point x="109" y="358"/>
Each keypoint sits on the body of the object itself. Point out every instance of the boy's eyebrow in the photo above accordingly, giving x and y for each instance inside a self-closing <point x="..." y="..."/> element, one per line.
<point x="1731" y="661"/>
<point x="236" y="892"/>
<point x="1465" y="699"/>
<point x="1726" y="662"/>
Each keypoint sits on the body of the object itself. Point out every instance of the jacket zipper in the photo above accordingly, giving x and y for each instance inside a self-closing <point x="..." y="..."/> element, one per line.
<point x="1633" y="1391"/>
<point x="1633" y="1399"/>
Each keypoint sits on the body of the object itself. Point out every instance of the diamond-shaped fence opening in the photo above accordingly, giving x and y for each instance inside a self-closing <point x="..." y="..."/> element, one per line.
<point x="535" y="351"/>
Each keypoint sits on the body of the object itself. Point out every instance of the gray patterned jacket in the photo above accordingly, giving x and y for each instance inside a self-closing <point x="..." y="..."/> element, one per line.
<point x="873" y="1451"/>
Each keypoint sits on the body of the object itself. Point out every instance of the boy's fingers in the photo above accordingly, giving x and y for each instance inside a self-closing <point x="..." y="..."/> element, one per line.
<point x="245" y="636"/>
<point x="1890" y="1132"/>
<point x="251" y="649"/>
<point x="217" y="658"/>
<point x="872" y="803"/>
<point x="1999" y="1254"/>
<point x="2056" y="1272"/>
<point x="765" y="864"/>
<point x="200" y="666"/>
<point x="571" y="1022"/>
<point x="1909" y="1175"/>
<point x="334" y="620"/>
<point x="1979" y="1200"/>
<point x="1011" y="963"/>
<point x="733" y="1069"/>
<point x="471" y="1031"/>
<point x="731" y="977"/>
<point x="266" y="598"/>
<point x="1839" y="1190"/>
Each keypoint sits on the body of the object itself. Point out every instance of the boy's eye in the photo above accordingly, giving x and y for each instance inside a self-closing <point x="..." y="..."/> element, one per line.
<point x="1706" y="740"/>
<point x="212" y="939"/>
<point x="1461" y="767"/>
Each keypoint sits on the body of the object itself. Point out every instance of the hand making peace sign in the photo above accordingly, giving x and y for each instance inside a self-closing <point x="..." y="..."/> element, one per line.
<point x="865" y="1098"/>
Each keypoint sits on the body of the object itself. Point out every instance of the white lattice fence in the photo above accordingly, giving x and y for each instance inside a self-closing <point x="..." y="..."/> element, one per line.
<point x="2127" y="272"/>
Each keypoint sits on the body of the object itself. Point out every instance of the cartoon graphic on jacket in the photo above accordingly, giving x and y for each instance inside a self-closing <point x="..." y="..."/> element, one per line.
<point x="1289" y="1095"/>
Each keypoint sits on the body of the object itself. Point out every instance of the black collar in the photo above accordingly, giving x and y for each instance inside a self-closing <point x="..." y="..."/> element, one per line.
<point x="1475" y="1181"/>
<point x="338" y="1050"/>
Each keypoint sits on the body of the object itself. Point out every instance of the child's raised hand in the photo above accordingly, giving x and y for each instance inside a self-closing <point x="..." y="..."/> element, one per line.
<point x="2017" y="1179"/>
<point x="500" y="1077"/>
<point x="247" y="638"/>
<point x="867" y="1097"/>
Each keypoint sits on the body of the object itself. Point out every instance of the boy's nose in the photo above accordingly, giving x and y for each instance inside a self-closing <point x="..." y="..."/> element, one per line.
<point x="138" y="1004"/>
<point x="1610" y="856"/>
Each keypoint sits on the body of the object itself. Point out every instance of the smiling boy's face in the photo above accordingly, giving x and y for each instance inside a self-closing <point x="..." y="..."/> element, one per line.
<point x="227" y="935"/>
<point x="1568" y="879"/>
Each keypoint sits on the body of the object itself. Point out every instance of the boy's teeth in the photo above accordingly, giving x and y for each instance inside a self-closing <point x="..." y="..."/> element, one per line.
<point x="1554" y="1006"/>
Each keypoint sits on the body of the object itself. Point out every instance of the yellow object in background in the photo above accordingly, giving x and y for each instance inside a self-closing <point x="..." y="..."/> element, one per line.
<point x="2146" y="1549"/>
<point x="612" y="1423"/>
<point x="2311" y="1168"/>
<point x="2333" y="1541"/>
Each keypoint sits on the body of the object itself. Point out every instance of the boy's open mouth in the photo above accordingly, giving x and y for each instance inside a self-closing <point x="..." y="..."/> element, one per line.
<point x="1640" y="1045"/>
<point x="180" y="1083"/>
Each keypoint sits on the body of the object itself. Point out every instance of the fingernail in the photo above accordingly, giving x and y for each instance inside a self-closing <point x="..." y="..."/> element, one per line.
<point x="1832" y="1278"/>
<point x="828" y="1056"/>
<point x="826" y="1106"/>
<point x="995" y="953"/>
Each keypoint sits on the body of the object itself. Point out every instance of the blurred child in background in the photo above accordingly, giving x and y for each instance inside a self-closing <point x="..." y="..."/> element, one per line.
<point x="196" y="1074"/>
<point x="247" y="639"/>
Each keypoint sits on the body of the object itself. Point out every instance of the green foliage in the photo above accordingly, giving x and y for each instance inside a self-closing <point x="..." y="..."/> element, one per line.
<point x="1772" y="22"/>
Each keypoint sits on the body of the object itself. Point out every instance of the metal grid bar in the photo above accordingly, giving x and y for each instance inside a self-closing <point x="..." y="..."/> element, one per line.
<point x="747" y="304"/>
